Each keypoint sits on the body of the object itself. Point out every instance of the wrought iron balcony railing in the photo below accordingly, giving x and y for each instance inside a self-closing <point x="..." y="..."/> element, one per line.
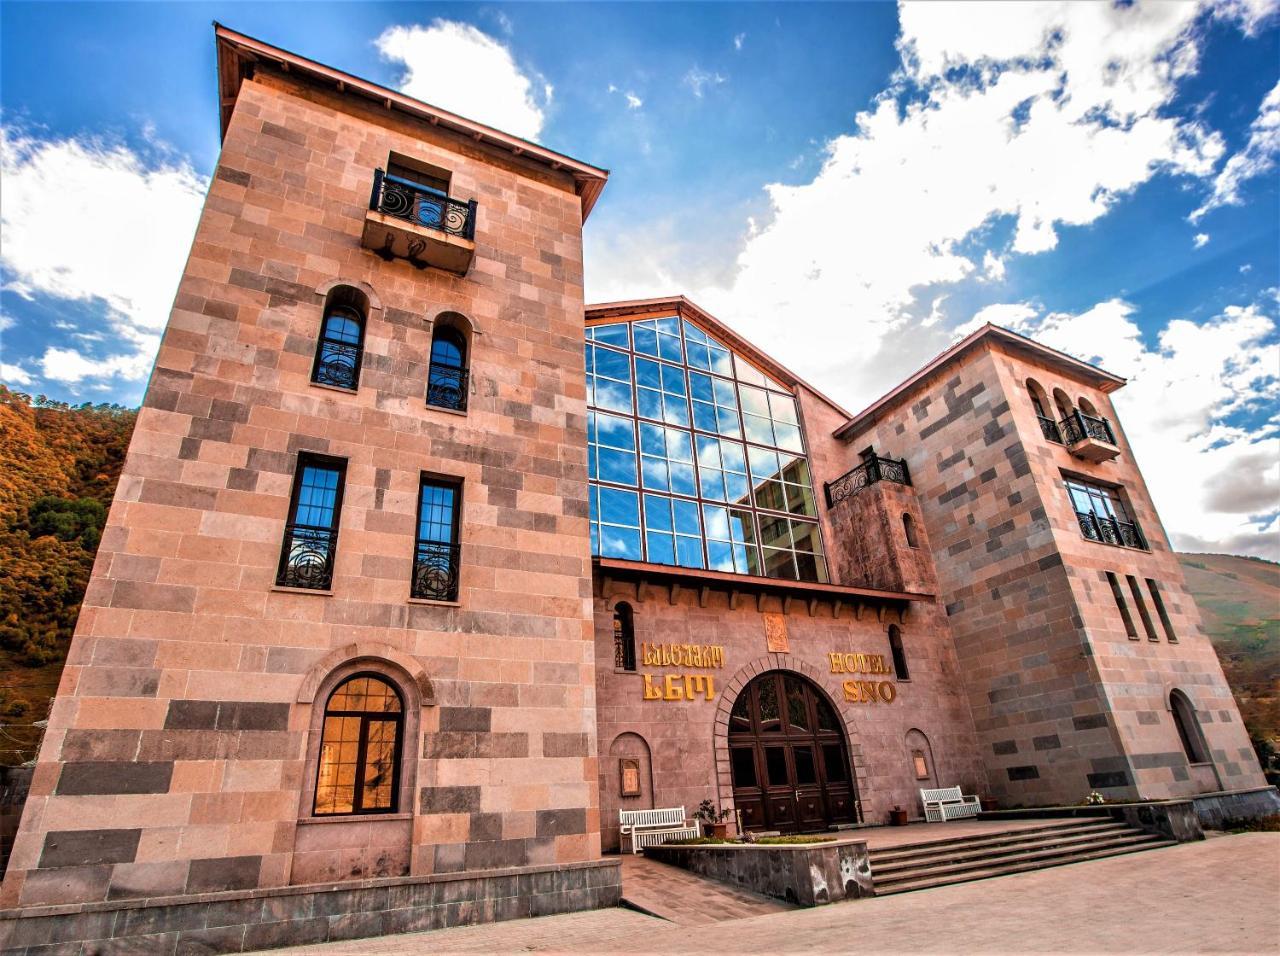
<point x="338" y="364"/>
<point x="447" y="387"/>
<point x="1050" y="429"/>
<point x="871" y="470"/>
<point x="435" y="571"/>
<point x="1124" y="534"/>
<point x="307" y="558"/>
<point x="422" y="207"/>
<point x="1078" y="426"/>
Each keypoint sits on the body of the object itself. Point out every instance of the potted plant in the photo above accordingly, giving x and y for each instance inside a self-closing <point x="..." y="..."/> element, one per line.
<point x="989" y="804"/>
<point x="714" y="822"/>
<point x="897" y="817"/>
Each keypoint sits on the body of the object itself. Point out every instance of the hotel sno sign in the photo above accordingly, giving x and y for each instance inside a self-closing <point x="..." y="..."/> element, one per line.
<point x="680" y="686"/>
<point x="863" y="691"/>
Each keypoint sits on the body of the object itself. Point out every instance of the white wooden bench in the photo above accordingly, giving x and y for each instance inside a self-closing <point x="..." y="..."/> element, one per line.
<point x="948" y="803"/>
<point x="651" y="827"/>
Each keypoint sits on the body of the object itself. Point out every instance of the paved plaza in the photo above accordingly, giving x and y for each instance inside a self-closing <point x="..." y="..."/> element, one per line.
<point x="1218" y="896"/>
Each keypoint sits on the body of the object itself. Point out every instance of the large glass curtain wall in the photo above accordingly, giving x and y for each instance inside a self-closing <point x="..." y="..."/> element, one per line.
<point x="696" y="457"/>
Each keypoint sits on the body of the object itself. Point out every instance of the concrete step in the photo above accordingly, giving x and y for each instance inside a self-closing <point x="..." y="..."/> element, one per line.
<point x="962" y="852"/>
<point x="971" y="875"/>
<point x="908" y="874"/>
<point x="994" y="839"/>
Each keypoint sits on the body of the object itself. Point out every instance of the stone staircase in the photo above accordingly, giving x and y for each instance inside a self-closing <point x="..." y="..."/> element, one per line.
<point x="920" y="866"/>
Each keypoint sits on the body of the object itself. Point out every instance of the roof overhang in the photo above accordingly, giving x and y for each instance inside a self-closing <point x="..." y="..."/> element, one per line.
<point x="989" y="334"/>
<point x="678" y="304"/>
<point x="695" y="579"/>
<point x="238" y="53"/>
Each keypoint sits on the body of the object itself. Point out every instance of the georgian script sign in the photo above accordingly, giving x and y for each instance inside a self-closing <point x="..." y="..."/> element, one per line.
<point x="863" y="691"/>
<point x="680" y="686"/>
<point x="775" y="634"/>
<point x="630" y="777"/>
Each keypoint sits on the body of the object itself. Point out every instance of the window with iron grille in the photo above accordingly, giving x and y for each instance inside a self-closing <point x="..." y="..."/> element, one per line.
<point x="340" y="350"/>
<point x="311" y="534"/>
<point x="436" y="564"/>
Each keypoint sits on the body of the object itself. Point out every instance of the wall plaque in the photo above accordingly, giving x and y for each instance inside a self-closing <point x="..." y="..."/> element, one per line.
<point x="630" y="770"/>
<point x="775" y="633"/>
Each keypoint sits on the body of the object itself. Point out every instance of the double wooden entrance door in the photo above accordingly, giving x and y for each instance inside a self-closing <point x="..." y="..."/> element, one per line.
<point x="789" y="759"/>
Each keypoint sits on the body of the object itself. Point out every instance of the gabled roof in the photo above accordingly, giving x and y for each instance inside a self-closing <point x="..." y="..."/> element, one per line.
<point x="237" y="54"/>
<point x="699" y="316"/>
<point x="989" y="333"/>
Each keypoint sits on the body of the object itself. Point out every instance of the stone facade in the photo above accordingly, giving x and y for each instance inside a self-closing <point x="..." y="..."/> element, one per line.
<point x="174" y="797"/>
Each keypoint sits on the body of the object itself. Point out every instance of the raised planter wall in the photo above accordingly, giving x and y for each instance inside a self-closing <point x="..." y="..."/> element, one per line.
<point x="807" y="875"/>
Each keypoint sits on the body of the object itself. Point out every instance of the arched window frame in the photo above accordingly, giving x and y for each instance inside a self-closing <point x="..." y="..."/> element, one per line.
<point x="1063" y="404"/>
<point x="365" y="717"/>
<point x="338" y="360"/>
<point x="909" y="529"/>
<point x="899" y="655"/>
<point x="624" y="637"/>
<point x="411" y="690"/>
<point x="1187" y="724"/>
<point x="449" y="381"/>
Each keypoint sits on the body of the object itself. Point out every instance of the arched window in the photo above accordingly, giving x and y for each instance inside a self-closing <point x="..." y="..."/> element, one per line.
<point x="1063" y="404"/>
<point x="340" y="351"/>
<point x="624" y="638"/>
<point x="359" y="766"/>
<point x="899" y="656"/>
<point x="447" y="378"/>
<point x="1086" y="406"/>
<point x="909" y="527"/>
<point x="1184" y="718"/>
<point x="1039" y="401"/>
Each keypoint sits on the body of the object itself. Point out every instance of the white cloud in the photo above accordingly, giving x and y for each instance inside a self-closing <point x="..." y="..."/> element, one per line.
<point x="495" y="90"/>
<point x="634" y="102"/>
<point x="94" y="222"/>
<point x="738" y="40"/>
<point x="1257" y="158"/>
<point x="993" y="267"/>
<point x="14" y="374"/>
<point x="1008" y="314"/>
<point x="70" y="367"/>
<point x="1200" y="240"/>
<point x="1216" y="484"/>
<point x="699" y="80"/>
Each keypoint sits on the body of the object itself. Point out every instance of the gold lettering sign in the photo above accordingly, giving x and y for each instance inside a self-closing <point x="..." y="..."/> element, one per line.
<point x="775" y="634"/>
<point x="869" y="691"/>
<point x="681" y="655"/>
<point x="680" y="687"/>
<point x="858" y="663"/>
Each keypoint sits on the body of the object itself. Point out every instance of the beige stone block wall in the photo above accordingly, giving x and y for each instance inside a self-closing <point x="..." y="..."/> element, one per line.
<point x="178" y="752"/>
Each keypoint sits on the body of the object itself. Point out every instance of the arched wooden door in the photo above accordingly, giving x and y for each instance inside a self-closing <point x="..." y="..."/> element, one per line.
<point x="790" y="762"/>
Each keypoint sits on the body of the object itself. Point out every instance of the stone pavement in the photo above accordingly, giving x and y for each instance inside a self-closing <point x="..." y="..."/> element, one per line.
<point x="1221" y="895"/>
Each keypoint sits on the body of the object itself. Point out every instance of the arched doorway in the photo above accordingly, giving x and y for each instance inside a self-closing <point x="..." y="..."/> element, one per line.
<point x="788" y="756"/>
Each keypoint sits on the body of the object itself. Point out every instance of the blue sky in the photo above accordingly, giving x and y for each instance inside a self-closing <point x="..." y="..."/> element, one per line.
<point x="852" y="186"/>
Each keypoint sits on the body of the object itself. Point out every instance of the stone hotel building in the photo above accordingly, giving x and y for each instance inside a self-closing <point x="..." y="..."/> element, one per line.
<point x="421" y="569"/>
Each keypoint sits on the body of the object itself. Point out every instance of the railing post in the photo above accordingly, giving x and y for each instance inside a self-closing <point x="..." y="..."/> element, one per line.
<point x="376" y="196"/>
<point x="873" y="469"/>
<point x="471" y="220"/>
<point x="826" y="490"/>
<point x="906" y="473"/>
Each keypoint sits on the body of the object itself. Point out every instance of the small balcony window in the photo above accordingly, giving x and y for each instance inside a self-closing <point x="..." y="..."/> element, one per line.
<point x="412" y="217"/>
<point x="1103" y="517"/>
<point x="436" y="555"/>
<point x="340" y="349"/>
<point x="311" y="535"/>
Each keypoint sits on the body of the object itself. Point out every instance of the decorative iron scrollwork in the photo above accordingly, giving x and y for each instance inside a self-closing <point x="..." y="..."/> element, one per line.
<point x="338" y="364"/>
<point x="307" y="561"/>
<point x="872" y="469"/>
<point x="447" y="387"/>
<point x="1123" y="534"/>
<point x="422" y="207"/>
<point x="1078" y="426"/>
<point x="1049" y="428"/>
<point x="435" y="571"/>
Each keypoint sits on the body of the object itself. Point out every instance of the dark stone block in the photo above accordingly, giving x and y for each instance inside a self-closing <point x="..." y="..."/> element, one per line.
<point x="1089" y="722"/>
<point x="485" y="826"/>
<point x="191" y="715"/>
<point x="242" y="479"/>
<point x="1024" y="773"/>
<point x="224" y="873"/>
<point x="157" y="944"/>
<point x="102" y="777"/>
<point x="251" y="716"/>
<point x="89" y="847"/>
<point x="561" y="822"/>
<point x="150" y="920"/>
<point x="564" y="745"/>
<point x="450" y="799"/>
<point x="295" y="932"/>
<point x="495" y="855"/>
<point x="1005" y="747"/>
<point x="450" y="858"/>
<point x="476" y="719"/>
<point x="355" y="925"/>
<point x="207" y="942"/>
<point x="1048" y="742"/>
<point x="239" y="177"/>
<point x="1119" y="778"/>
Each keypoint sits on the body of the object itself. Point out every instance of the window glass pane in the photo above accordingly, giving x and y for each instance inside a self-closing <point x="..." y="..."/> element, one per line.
<point x="336" y="775"/>
<point x="615" y="334"/>
<point x="648" y="373"/>
<point x="833" y="763"/>
<point x="744" y="765"/>
<point x="716" y="521"/>
<point x="620" y="542"/>
<point x="679" y="447"/>
<point x="646" y="340"/>
<point x="775" y="759"/>
<point x="787" y="436"/>
<point x="770" y="714"/>
<point x="779" y="564"/>
<point x="682" y="480"/>
<point x="686" y="517"/>
<point x="669" y="347"/>
<point x="720" y="556"/>
<point x="341" y="328"/>
<point x="806" y="771"/>
<point x="437" y="503"/>
<point x="614" y="431"/>
<point x="620" y="507"/>
<point x="618" y="467"/>
<point x="379" y="765"/>
<point x="721" y="363"/>
<point x="649" y="403"/>
<point x="614" y="396"/>
<point x="661" y="547"/>
<point x="673" y="380"/>
<point x="712" y="484"/>
<point x="783" y="408"/>
<point x="797" y="709"/>
<point x="764" y="463"/>
<point x="317" y="495"/>
<point x="657" y="513"/>
<point x="653" y="440"/>
<point x="613" y="364"/>
<point x="732" y="455"/>
<point x="704" y="417"/>
<point x="655" y="474"/>
<point x="675" y="410"/>
<point x="688" y="552"/>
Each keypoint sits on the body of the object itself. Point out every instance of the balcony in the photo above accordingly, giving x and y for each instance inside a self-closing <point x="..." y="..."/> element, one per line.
<point x="307" y="558"/>
<point x="435" y="571"/>
<point x="1049" y="428"/>
<point x="873" y="468"/>
<point x="1123" y="534"/>
<point x="423" y="227"/>
<point x="1088" y="437"/>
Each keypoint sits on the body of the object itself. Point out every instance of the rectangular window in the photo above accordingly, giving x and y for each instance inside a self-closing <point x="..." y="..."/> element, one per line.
<point x="1142" y="608"/>
<point x="436" y="558"/>
<point x="1102" y="515"/>
<point x="1158" y="601"/>
<point x="1124" y="608"/>
<point x="311" y="534"/>
<point x="422" y="175"/>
